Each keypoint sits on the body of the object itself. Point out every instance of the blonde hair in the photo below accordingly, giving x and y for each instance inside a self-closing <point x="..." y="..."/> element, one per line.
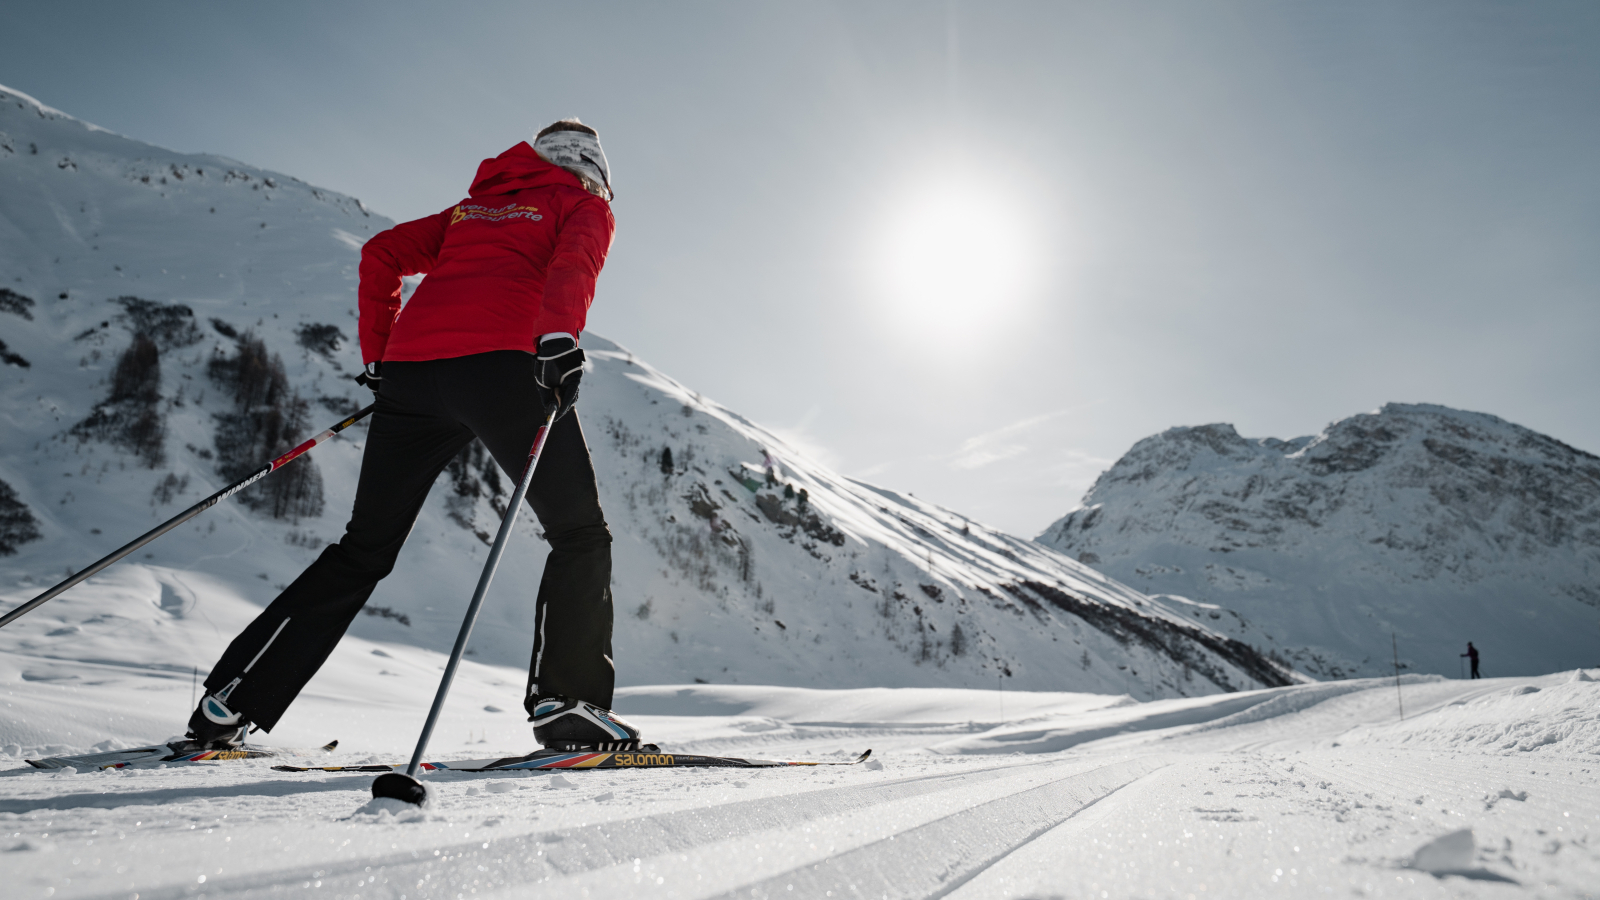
<point x="571" y="124"/>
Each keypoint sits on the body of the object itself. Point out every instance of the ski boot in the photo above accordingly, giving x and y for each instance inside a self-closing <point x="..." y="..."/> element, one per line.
<point x="215" y="727"/>
<point x="560" y="723"/>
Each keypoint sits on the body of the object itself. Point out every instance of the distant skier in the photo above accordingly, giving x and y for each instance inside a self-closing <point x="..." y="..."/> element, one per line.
<point x="1472" y="655"/>
<point x="486" y="347"/>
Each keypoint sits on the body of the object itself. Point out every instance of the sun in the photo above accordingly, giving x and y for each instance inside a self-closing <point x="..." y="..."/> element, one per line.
<point x="956" y="255"/>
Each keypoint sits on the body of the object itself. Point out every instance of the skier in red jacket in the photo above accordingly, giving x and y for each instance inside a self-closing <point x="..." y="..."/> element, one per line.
<point x="485" y="348"/>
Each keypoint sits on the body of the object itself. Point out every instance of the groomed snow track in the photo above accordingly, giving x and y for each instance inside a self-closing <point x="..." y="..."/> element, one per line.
<point x="1301" y="791"/>
<point x="921" y="836"/>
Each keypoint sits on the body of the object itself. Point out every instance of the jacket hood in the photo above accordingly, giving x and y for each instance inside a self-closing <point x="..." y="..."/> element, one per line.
<point x="518" y="169"/>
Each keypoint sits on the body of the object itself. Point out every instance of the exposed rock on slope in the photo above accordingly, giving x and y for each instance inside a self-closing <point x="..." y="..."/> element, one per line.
<point x="832" y="581"/>
<point x="233" y="291"/>
<point x="17" y="524"/>
<point x="1439" y="525"/>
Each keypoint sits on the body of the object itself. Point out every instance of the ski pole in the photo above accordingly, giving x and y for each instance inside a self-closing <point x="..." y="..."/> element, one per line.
<point x="179" y="519"/>
<point x="406" y="787"/>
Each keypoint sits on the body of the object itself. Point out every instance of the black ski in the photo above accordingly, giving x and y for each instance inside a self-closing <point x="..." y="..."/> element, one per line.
<point x="647" y="757"/>
<point x="170" y="753"/>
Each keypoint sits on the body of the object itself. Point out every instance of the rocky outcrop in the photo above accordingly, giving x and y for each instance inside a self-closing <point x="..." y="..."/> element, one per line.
<point x="1435" y="524"/>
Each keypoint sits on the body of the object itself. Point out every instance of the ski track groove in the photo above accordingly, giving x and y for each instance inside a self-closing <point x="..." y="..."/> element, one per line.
<point x="547" y="855"/>
<point x="109" y="801"/>
<point x="1346" y="836"/>
<point x="977" y="838"/>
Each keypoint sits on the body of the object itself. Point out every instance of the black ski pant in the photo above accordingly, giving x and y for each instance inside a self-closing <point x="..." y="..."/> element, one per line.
<point x="427" y="412"/>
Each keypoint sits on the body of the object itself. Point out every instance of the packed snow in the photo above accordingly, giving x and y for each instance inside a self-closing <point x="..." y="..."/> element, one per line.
<point x="1486" y="788"/>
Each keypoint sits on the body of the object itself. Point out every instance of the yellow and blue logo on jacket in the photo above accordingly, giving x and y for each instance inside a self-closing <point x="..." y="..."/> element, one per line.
<point x="494" y="214"/>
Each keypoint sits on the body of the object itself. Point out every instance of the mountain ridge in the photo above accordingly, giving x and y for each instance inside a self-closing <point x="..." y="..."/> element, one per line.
<point x="1410" y="515"/>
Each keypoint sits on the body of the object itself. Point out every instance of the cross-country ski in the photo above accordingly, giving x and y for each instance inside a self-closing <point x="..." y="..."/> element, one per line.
<point x="172" y="754"/>
<point x="648" y="756"/>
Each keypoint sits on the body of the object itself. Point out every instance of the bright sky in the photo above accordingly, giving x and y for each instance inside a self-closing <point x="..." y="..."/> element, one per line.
<point x="968" y="250"/>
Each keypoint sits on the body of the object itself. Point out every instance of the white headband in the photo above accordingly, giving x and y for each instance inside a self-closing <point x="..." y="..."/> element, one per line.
<point x="579" y="152"/>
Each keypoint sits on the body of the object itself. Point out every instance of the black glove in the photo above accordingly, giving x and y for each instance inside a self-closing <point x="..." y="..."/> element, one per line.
<point x="371" y="377"/>
<point x="557" y="370"/>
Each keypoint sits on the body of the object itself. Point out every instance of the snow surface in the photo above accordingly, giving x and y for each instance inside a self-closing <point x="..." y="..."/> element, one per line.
<point x="1486" y="789"/>
<point x="1436" y="525"/>
<point x="717" y="576"/>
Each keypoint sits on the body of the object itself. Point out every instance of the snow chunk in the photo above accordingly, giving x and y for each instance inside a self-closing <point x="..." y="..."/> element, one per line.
<point x="1445" y="854"/>
<point x="388" y="810"/>
<point x="756" y="726"/>
<point x="1490" y="800"/>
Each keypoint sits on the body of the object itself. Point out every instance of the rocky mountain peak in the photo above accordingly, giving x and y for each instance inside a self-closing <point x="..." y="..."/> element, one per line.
<point x="1413" y="513"/>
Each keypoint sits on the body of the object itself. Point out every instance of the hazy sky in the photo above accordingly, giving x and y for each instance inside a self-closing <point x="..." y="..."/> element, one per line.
<point x="975" y="250"/>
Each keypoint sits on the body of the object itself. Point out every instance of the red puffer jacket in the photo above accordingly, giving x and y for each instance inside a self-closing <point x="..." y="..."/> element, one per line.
<point x="515" y="260"/>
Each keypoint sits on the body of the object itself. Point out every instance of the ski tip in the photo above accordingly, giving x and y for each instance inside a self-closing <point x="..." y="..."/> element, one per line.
<point x="863" y="757"/>
<point x="331" y="745"/>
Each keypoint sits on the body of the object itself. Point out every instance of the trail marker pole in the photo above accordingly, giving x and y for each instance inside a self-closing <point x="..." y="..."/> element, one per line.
<point x="1395" y="643"/>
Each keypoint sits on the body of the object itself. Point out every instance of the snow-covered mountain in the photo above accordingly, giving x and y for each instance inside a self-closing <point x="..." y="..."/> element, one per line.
<point x="172" y="319"/>
<point x="1436" y="525"/>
